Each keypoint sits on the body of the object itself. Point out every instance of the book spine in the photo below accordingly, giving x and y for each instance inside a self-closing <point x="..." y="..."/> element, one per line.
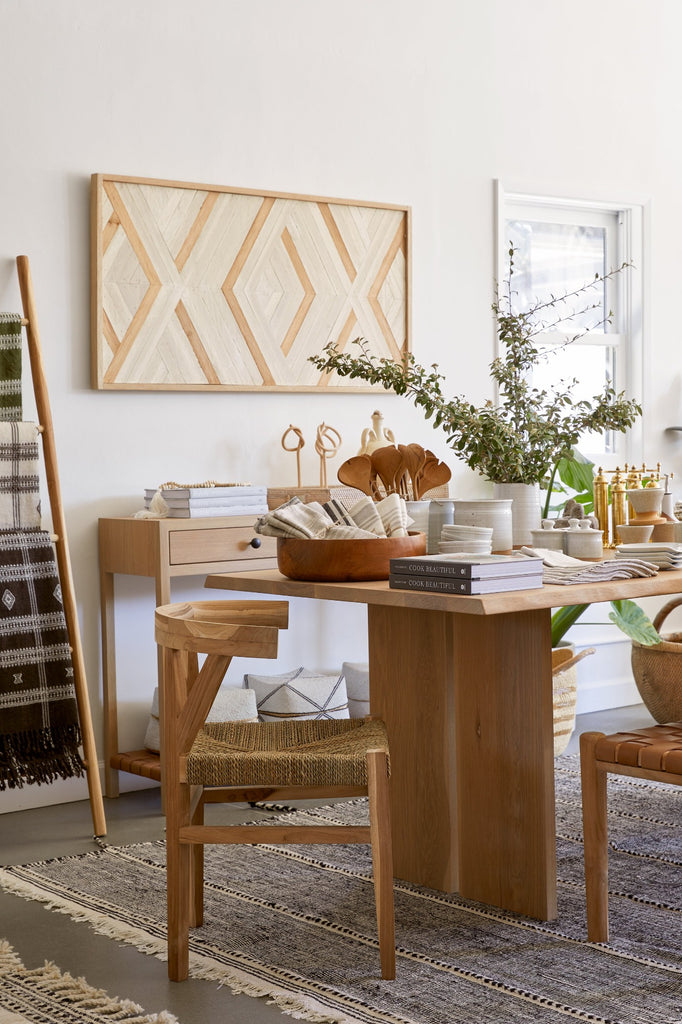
<point x="435" y="584"/>
<point x="460" y="570"/>
<point x="447" y="585"/>
<point x="245" y="499"/>
<point x="429" y="568"/>
<point x="208" y="493"/>
<point x="216" y="511"/>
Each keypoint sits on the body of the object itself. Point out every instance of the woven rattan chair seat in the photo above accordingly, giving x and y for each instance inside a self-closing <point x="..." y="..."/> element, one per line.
<point x="326" y="752"/>
<point x="656" y="748"/>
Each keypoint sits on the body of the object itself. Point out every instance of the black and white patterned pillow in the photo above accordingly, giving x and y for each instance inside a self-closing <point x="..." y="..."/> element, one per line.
<point x="299" y="694"/>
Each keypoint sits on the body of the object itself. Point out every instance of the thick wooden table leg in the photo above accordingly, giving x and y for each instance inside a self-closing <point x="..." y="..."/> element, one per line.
<point x="467" y="700"/>
<point x="410" y="671"/>
<point x="505" y="761"/>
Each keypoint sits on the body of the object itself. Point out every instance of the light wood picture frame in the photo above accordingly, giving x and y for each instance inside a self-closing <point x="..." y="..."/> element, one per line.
<point x="204" y="287"/>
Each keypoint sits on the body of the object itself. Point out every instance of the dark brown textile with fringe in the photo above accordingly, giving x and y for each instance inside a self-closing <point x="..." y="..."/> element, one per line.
<point x="39" y="731"/>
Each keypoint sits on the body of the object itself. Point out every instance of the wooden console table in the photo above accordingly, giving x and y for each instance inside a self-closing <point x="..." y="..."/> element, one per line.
<point x="162" y="549"/>
<point x="464" y="685"/>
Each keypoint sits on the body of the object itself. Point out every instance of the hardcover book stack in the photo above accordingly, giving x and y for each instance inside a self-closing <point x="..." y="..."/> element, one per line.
<point x="465" y="573"/>
<point x="197" y="502"/>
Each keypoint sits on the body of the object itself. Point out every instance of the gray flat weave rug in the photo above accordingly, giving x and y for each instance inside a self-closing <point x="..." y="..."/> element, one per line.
<point x="296" y="924"/>
<point x="46" y="995"/>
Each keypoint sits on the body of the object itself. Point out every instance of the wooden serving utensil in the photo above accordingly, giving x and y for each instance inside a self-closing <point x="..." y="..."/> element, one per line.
<point x="432" y="474"/>
<point x="388" y="463"/>
<point x="357" y="472"/>
<point x="413" y="460"/>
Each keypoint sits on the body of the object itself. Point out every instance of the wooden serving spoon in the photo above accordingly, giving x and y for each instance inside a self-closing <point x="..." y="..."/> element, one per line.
<point x="388" y="463"/>
<point x="432" y="474"/>
<point x="357" y="472"/>
<point x="413" y="459"/>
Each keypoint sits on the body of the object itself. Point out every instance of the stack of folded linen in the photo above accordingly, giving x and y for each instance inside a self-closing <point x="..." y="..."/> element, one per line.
<point x="333" y="521"/>
<point x="560" y="568"/>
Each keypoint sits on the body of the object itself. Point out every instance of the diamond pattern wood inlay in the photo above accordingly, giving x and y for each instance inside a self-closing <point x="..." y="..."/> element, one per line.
<point x="204" y="287"/>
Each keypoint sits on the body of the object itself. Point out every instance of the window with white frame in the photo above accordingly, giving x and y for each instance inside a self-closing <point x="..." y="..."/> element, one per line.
<point x="560" y="244"/>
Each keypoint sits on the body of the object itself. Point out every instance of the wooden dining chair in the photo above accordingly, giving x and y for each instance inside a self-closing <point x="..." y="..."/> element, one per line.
<point x="250" y="761"/>
<point x="654" y="753"/>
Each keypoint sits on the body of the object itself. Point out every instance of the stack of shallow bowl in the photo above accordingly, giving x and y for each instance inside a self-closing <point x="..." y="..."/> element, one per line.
<point x="476" y="540"/>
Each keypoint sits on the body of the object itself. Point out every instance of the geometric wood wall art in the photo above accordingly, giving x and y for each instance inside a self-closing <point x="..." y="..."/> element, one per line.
<point x="200" y="287"/>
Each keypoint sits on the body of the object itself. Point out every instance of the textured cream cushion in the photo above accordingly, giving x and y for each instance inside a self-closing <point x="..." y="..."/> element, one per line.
<point x="232" y="704"/>
<point x="299" y="694"/>
<point x="356" y="674"/>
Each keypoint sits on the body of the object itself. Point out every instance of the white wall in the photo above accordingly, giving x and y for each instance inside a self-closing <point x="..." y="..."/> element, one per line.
<point x="423" y="104"/>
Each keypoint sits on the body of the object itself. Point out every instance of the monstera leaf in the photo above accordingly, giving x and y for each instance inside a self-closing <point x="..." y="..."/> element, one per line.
<point x="629" y="617"/>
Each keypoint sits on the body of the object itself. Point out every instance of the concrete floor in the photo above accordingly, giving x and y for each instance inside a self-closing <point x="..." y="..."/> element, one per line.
<point x="38" y="934"/>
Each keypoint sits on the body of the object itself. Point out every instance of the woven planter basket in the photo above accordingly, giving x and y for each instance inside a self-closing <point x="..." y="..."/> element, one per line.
<point x="658" y="671"/>
<point x="565" y="693"/>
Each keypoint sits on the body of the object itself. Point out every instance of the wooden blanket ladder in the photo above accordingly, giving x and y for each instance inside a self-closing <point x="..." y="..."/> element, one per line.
<point x="30" y="322"/>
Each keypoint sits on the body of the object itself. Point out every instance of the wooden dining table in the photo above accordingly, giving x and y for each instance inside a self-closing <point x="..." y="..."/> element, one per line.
<point x="464" y="684"/>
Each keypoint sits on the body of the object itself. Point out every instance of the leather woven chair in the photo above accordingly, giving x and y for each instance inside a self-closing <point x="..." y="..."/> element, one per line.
<point x="654" y="753"/>
<point x="250" y="761"/>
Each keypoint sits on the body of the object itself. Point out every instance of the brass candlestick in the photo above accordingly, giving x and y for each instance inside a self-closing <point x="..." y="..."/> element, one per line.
<point x="619" y="512"/>
<point x="600" y="489"/>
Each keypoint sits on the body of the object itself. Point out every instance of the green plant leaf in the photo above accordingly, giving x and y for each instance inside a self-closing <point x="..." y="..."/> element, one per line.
<point x="629" y="617"/>
<point x="563" y="619"/>
<point x="576" y="472"/>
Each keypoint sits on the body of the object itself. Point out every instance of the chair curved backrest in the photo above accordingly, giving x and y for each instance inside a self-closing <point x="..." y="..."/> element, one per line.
<point x="245" y="628"/>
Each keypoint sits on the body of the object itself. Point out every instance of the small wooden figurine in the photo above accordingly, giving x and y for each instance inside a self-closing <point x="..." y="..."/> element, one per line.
<point x="375" y="437"/>
<point x="299" y="444"/>
<point x="325" y="450"/>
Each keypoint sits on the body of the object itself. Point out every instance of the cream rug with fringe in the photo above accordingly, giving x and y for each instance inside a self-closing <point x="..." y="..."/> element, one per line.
<point x="50" y="997"/>
<point x="296" y="924"/>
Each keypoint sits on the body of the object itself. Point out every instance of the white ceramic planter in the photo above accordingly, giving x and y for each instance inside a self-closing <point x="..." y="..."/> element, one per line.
<point x="430" y="515"/>
<point x="526" y="513"/>
<point x="495" y="513"/>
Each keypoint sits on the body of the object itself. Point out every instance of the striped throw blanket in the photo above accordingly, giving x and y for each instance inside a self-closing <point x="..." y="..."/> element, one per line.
<point x="19" y="486"/>
<point x="10" y="367"/>
<point x="39" y="731"/>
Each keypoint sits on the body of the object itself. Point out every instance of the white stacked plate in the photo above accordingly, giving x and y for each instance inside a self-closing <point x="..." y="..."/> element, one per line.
<point x="474" y="539"/>
<point x="665" y="556"/>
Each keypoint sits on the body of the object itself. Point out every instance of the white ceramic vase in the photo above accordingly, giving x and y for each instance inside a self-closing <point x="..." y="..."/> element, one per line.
<point x="429" y="516"/>
<point x="526" y="511"/>
<point x="490" y="512"/>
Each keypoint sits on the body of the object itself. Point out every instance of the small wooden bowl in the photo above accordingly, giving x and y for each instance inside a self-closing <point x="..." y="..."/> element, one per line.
<point x="344" y="561"/>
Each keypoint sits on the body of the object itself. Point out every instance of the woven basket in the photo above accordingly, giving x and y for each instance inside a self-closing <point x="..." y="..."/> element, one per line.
<point x="658" y="671"/>
<point x="565" y="693"/>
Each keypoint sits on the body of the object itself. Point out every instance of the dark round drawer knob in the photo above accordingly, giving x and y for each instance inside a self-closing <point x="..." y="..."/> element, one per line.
<point x="256" y="542"/>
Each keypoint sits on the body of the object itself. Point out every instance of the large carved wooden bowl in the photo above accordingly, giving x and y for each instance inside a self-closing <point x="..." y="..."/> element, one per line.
<point x="346" y="561"/>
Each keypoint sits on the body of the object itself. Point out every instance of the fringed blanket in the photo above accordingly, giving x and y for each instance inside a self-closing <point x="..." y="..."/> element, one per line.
<point x="10" y="367"/>
<point x="39" y="732"/>
<point x="19" y="486"/>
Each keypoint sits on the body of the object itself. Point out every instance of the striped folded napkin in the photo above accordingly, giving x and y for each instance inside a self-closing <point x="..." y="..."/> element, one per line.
<point x="393" y="514"/>
<point x="364" y="514"/>
<point x="337" y="511"/>
<point x="562" y="569"/>
<point x="341" y="531"/>
<point x="295" y="519"/>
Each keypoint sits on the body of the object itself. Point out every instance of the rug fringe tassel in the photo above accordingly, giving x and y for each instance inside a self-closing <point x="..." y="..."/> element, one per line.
<point x="240" y="983"/>
<point x="75" y="992"/>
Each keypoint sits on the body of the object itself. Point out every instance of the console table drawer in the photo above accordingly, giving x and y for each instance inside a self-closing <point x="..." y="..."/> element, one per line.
<point x="218" y="545"/>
